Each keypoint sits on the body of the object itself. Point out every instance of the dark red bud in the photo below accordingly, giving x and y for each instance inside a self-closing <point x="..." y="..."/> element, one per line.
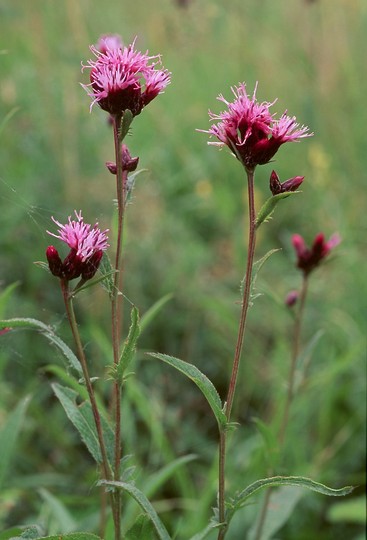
<point x="90" y="266"/>
<point x="292" y="184"/>
<point x="289" y="185"/>
<point x="72" y="266"/>
<point x="275" y="185"/>
<point x="291" y="298"/>
<point x="54" y="262"/>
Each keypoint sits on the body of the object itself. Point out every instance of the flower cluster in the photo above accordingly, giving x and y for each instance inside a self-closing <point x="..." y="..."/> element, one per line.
<point x="249" y="129"/>
<point x="123" y="78"/>
<point x="86" y="244"/>
<point x="310" y="258"/>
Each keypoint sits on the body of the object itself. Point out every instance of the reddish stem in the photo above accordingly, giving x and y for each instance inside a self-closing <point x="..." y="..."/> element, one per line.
<point x="239" y="346"/>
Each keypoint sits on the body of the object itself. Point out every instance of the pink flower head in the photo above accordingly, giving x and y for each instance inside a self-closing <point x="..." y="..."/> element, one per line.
<point x="122" y="78"/>
<point x="249" y="129"/>
<point x="109" y="42"/>
<point x="86" y="244"/>
<point x="283" y="187"/>
<point x="309" y="258"/>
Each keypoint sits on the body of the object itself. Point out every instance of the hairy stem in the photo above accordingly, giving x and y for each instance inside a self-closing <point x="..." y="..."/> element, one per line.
<point x="239" y="346"/>
<point x="296" y="346"/>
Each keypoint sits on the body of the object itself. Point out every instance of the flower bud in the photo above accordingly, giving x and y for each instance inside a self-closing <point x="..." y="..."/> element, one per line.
<point x="128" y="163"/>
<point x="54" y="262"/>
<point x="291" y="298"/>
<point x="91" y="265"/>
<point x="289" y="185"/>
<point x="111" y="166"/>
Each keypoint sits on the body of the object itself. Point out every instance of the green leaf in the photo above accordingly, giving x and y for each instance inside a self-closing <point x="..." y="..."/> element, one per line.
<point x="49" y="334"/>
<point x="126" y="121"/>
<point x="301" y="481"/>
<point x="153" y="311"/>
<point x="82" y="418"/>
<point x="269" y="206"/>
<point x="8" y="437"/>
<point x="129" y="348"/>
<point x="144" y="504"/>
<point x="204" y="384"/>
<point x="143" y="529"/>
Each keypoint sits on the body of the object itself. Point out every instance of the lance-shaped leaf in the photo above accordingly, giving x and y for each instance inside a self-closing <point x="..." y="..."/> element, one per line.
<point x="202" y="382"/>
<point x="49" y="334"/>
<point x="82" y="418"/>
<point x="240" y="499"/>
<point x="269" y="206"/>
<point x="144" y="504"/>
<point x="142" y="529"/>
<point x="70" y="536"/>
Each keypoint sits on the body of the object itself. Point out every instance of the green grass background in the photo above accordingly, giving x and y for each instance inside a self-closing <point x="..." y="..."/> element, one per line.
<point x="186" y="235"/>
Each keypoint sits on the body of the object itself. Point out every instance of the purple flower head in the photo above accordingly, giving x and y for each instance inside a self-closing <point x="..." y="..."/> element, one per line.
<point x="249" y="129"/>
<point x="310" y="258"/>
<point x="122" y="78"/>
<point x="86" y="244"/>
<point x="283" y="187"/>
<point x="109" y="42"/>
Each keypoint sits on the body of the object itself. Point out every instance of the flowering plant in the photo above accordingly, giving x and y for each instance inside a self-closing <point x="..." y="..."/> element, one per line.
<point x="123" y="81"/>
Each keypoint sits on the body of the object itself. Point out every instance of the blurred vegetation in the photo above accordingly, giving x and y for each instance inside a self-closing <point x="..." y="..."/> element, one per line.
<point x="186" y="234"/>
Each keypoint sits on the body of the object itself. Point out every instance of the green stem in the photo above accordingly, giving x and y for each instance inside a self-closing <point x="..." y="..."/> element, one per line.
<point x="239" y="346"/>
<point x="296" y="346"/>
<point x="116" y="312"/>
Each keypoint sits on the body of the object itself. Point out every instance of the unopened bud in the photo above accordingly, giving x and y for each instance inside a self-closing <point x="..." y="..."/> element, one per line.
<point x="291" y="298"/>
<point x="90" y="266"/>
<point x="128" y="163"/>
<point x="111" y="166"/>
<point x="54" y="262"/>
<point x="289" y="185"/>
